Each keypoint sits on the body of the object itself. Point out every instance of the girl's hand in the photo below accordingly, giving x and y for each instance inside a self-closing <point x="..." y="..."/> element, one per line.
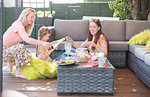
<point x="90" y="43"/>
<point x="69" y="39"/>
<point x="51" y="50"/>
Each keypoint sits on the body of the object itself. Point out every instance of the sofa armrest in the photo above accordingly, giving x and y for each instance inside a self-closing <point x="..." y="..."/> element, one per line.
<point x="52" y="30"/>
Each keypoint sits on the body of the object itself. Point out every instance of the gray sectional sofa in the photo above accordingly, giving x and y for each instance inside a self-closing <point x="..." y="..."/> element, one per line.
<point x="118" y="32"/>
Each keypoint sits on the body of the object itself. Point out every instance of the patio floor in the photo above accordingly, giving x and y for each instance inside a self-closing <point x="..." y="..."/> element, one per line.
<point x="126" y="85"/>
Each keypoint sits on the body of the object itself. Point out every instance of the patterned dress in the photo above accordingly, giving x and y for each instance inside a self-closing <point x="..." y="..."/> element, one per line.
<point x="17" y="55"/>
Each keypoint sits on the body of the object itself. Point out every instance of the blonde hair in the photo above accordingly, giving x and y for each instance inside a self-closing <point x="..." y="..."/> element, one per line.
<point x="22" y="19"/>
<point x="42" y="32"/>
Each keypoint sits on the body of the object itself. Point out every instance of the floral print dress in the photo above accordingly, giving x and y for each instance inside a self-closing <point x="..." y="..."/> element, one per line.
<point x="17" y="54"/>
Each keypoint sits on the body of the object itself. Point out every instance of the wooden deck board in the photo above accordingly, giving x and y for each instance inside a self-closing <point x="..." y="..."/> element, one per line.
<point x="126" y="85"/>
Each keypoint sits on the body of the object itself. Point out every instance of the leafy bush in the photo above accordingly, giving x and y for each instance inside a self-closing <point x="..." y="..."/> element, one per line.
<point x="121" y="9"/>
<point x="47" y="13"/>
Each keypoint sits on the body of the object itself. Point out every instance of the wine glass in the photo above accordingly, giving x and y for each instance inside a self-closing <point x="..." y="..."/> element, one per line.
<point x="68" y="47"/>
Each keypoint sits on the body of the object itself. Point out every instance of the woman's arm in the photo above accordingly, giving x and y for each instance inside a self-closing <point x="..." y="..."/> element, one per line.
<point x="103" y="45"/>
<point x="29" y="40"/>
<point x="84" y="44"/>
<point x="44" y="54"/>
<point x="76" y="45"/>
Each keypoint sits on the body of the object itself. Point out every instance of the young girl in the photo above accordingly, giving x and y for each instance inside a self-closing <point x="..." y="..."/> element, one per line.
<point x="42" y="53"/>
<point x="41" y="67"/>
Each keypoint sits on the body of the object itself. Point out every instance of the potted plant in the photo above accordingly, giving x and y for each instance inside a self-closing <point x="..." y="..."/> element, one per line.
<point x="45" y="18"/>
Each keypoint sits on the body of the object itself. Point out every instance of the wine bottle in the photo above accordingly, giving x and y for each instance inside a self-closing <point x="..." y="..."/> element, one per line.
<point x="57" y="42"/>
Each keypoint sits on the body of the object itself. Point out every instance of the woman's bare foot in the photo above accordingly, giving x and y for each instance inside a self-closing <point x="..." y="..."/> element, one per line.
<point x="19" y="74"/>
<point x="10" y="65"/>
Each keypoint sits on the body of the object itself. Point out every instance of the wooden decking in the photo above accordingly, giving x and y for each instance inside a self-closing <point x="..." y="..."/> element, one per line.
<point x="126" y="85"/>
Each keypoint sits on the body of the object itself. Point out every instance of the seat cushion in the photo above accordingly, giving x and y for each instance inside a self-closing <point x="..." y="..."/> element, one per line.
<point x="113" y="45"/>
<point x="148" y="45"/>
<point x="61" y="45"/>
<point x="76" y="29"/>
<point x="140" y="53"/>
<point x="118" y="45"/>
<point x="147" y="59"/>
<point x="133" y="46"/>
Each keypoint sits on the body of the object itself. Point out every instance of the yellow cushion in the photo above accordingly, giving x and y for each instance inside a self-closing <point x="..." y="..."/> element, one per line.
<point x="30" y="72"/>
<point x="140" y="38"/>
<point x="47" y="69"/>
<point x="148" y="45"/>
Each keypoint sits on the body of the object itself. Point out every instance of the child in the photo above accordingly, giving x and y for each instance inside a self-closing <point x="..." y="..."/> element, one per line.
<point x="41" y="52"/>
<point x="42" y="67"/>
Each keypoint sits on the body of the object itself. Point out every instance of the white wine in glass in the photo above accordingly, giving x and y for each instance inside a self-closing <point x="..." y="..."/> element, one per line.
<point x="68" y="46"/>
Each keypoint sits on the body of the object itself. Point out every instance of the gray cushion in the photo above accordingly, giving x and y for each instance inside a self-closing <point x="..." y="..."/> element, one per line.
<point x="133" y="46"/>
<point x="52" y="30"/>
<point x="140" y="53"/>
<point x="76" y="29"/>
<point x="114" y="30"/>
<point x="118" y="46"/>
<point x="61" y="45"/>
<point x="135" y="26"/>
<point x="147" y="59"/>
<point x="100" y="18"/>
<point x="113" y="45"/>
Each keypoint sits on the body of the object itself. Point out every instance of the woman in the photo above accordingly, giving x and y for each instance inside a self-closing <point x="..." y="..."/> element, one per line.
<point x="14" y="53"/>
<point x="96" y="40"/>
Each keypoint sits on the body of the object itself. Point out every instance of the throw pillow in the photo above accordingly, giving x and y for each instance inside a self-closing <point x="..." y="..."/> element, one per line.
<point x="148" y="45"/>
<point x="140" y="38"/>
<point x="47" y="69"/>
<point x="30" y="72"/>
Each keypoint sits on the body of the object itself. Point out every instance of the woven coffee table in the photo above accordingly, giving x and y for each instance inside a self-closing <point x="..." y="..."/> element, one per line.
<point x="80" y="79"/>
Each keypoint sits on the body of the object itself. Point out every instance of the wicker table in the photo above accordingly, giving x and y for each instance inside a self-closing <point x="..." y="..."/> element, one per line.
<point x="81" y="79"/>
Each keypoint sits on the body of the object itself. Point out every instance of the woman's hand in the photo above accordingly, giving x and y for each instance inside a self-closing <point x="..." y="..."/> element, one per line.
<point x="90" y="43"/>
<point x="69" y="39"/>
<point x="47" y="45"/>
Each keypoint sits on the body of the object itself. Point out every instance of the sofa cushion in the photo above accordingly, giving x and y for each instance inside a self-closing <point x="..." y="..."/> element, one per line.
<point x="133" y="46"/>
<point x="148" y="45"/>
<point x="147" y="59"/>
<point x="135" y="26"/>
<point x="114" y="30"/>
<point x="61" y="45"/>
<point x="118" y="46"/>
<point x="140" y="53"/>
<point x="52" y="30"/>
<point x="140" y="38"/>
<point x="113" y="45"/>
<point x="76" y="29"/>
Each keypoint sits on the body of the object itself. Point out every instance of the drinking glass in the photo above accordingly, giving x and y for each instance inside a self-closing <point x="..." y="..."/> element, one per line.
<point x="68" y="47"/>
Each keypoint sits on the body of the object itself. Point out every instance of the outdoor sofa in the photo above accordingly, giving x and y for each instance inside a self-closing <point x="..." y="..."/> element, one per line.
<point x="120" y="54"/>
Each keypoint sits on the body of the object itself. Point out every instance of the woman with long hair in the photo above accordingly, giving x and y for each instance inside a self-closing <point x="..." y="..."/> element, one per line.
<point x="96" y="41"/>
<point x="14" y="53"/>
